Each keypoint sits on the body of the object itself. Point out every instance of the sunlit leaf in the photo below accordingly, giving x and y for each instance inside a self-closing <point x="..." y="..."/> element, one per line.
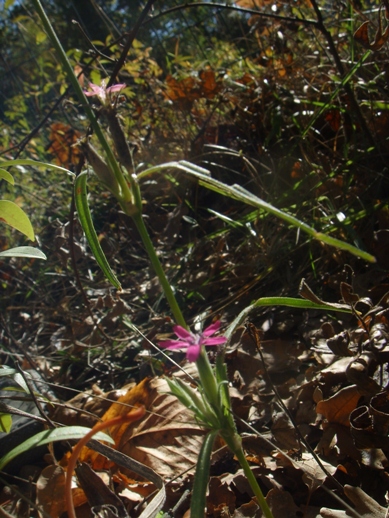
<point x="236" y="192"/>
<point x="5" y="422"/>
<point x="24" y="251"/>
<point x="5" y="175"/>
<point x="14" y="216"/>
<point x="338" y="407"/>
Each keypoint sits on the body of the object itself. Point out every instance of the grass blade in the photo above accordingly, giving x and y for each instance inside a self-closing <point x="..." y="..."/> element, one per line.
<point x="90" y="233"/>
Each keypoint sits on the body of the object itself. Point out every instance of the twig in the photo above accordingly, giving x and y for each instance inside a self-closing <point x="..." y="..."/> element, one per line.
<point x="129" y="42"/>
<point x="33" y="396"/>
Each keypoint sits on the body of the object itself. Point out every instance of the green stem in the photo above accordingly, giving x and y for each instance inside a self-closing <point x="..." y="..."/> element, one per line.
<point x="178" y="316"/>
<point x="235" y="445"/>
<point x="126" y="193"/>
<point x="208" y="380"/>
<point x="201" y="480"/>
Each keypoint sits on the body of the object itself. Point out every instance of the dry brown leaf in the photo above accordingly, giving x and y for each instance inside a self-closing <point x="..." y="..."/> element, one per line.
<point x="281" y="503"/>
<point x="313" y="476"/>
<point x="338" y="407"/>
<point x="167" y="439"/>
<point x="63" y="139"/>
<point x="50" y="491"/>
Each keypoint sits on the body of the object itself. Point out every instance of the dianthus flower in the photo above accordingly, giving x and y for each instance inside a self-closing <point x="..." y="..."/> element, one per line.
<point x="193" y="342"/>
<point x="102" y="91"/>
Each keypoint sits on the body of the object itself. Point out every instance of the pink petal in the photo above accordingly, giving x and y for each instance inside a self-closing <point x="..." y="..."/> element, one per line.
<point x="193" y="352"/>
<point x="94" y="90"/>
<point x="210" y="330"/>
<point x="174" y="344"/>
<point x="116" y="88"/>
<point x="218" y="340"/>
<point x="183" y="333"/>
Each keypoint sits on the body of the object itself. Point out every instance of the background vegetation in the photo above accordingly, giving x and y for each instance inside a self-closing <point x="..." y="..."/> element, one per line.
<point x="287" y="99"/>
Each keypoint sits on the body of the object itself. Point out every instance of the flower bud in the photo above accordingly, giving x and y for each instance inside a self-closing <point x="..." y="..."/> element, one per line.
<point x="100" y="167"/>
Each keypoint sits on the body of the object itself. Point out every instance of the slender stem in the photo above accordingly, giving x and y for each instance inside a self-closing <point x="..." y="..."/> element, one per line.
<point x="178" y="316"/>
<point x="126" y="193"/>
<point x="238" y="452"/>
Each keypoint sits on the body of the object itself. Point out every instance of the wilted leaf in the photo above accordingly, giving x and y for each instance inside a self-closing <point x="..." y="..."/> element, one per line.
<point x="63" y="139"/>
<point x="97" y="492"/>
<point x="167" y="440"/>
<point x="361" y="35"/>
<point x="338" y="407"/>
<point x="50" y="491"/>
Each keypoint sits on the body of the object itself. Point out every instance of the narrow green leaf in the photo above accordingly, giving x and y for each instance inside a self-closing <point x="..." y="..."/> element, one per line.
<point x="284" y="301"/>
<point x="5" y="175"/>
<point x="5" y="422"/>
<point x="90" y="233"/>
<point x="237" y="192"/>
<point x="24" y="251"/>
<point x="7" y="371"/>
<point x="14" y="216"/>
<point x="35" y="163"/>
<point x="58" y="434"/>
<point x="198" y="502"/>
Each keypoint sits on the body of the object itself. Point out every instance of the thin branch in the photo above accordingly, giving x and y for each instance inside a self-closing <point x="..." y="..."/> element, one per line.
<point x="129" y="42"/>
<point x="288" y="19"/>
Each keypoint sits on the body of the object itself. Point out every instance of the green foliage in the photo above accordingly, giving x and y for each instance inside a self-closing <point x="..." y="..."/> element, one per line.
<point x="58" y="434"/>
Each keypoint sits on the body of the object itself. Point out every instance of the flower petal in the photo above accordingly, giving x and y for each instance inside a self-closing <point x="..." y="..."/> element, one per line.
<point x="174" y="344"/>
<point x="116" y="88"/>
<point x="210" y="330"/>
<point x="218" y="340"/>
<point x="94" y="90"/>
<point x="183" y="333"/>
<point x="193" y="352"/>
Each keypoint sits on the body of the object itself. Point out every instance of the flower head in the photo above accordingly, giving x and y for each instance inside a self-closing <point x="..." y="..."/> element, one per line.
<point x="102" y="91"/>
<point x="193" y="342"/>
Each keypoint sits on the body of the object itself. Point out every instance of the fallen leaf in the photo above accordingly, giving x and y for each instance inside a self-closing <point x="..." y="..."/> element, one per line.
<point x="50" y="491"/>
<point x="338" y="407"/>
<point x="167" y="440"/>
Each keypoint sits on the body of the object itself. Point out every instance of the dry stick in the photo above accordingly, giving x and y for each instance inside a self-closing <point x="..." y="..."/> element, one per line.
<point x="254" y="336"/>
<point x="134" y="415"/>
<point x="288" y="19"/>
<point x="129" y="42"/>
<point x="33" y="396"/>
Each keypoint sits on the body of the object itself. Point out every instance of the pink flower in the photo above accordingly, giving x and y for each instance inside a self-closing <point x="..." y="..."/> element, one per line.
<point x="193" y="342"/>
<point x="101" y="91"/>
